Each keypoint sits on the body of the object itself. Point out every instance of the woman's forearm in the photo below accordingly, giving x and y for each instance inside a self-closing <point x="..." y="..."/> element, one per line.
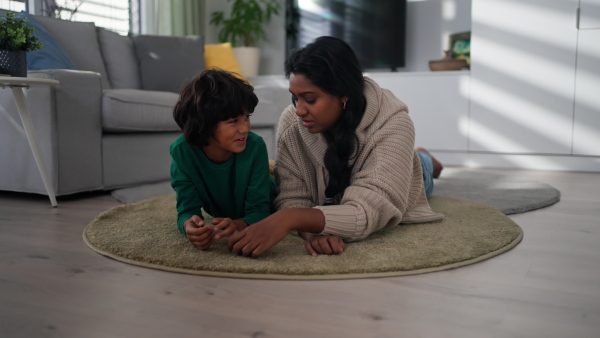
<point x="263" y="235"/>
<point x="306" y="235"/>
<point x="302" y="219"/>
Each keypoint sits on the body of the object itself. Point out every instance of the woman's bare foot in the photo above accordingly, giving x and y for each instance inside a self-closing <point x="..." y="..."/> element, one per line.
<point x="437" y="165"/>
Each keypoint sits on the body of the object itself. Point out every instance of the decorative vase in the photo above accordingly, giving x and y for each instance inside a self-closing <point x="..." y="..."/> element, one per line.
<point x="13" y="63"/>
<point x="447" y="63"/>
<point x="248" y="58"/>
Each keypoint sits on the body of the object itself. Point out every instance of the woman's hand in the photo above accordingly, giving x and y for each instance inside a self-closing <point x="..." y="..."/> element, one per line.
<point x="261" y="236"/>
<point x="324" y="244"/>
<point x="257" y="238"/>
<point x="227" y="227"/>
<point x="198" y="234"/>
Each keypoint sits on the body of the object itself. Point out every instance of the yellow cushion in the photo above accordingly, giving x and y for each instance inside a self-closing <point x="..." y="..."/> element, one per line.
<point x="221" y="56"/>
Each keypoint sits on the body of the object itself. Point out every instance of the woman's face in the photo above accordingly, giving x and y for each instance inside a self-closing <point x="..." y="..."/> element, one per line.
<point x="319" y="110"/>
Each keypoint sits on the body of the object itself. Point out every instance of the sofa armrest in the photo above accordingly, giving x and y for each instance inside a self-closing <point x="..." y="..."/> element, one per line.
<point x="67" y="120"/>
<point x="272" y="101"/>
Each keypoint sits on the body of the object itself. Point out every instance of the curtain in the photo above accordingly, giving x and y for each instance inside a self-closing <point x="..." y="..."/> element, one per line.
<point x="179" y="17"/>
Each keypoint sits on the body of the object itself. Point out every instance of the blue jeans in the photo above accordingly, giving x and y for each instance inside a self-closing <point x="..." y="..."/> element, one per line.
<point x="427" y="166"/>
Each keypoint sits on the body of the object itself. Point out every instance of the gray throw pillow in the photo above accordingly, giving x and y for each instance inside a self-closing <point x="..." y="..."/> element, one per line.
<point x="167" y="63"/>
<point x="80" y="41"/>
<point x="120" y="60"/>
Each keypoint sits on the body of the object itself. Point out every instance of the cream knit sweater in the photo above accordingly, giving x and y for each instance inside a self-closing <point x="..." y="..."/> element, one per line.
<point x="386" y="184"/>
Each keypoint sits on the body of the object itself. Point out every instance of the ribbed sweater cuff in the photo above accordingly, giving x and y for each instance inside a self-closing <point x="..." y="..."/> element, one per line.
<point x="340" y="220"/>
<point x="181" y="220"/>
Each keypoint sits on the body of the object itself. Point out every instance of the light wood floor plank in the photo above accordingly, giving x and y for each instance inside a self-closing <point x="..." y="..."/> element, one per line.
<point x="53" y="285"/>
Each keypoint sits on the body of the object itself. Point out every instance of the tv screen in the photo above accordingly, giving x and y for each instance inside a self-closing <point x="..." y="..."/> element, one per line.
<point x="375" y="29"/>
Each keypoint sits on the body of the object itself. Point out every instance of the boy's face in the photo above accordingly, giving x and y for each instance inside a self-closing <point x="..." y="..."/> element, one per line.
<point x="230" y="137"/>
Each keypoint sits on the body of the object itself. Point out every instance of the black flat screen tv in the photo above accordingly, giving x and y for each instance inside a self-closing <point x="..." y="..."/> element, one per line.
<point x="375" y="29"/>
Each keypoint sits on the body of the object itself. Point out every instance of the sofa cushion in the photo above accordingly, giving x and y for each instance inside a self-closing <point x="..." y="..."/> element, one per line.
<point x="134" y="110"/>
<point x="120" y="61"/>
<point x="51" y="55"/>
<point x="79" y="40"/>
<point x="167" y="63"/>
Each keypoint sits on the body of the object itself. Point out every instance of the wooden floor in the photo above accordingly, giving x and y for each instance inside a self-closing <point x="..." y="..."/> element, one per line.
<point x="53" y="285"/>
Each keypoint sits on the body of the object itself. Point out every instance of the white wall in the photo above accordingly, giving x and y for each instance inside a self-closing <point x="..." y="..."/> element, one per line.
<point x="272" y="50"/>
<point x="429" y="23"/>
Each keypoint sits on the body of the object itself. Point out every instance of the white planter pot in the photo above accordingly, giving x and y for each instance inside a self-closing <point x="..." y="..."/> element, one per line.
<point x="248" y="58"/>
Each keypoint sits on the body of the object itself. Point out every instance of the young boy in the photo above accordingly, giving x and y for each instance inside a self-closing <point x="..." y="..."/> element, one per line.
<point x="218" y="164"/>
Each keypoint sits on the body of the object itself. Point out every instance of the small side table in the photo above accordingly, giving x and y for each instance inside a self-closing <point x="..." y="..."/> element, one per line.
<point x="16" y="84"/>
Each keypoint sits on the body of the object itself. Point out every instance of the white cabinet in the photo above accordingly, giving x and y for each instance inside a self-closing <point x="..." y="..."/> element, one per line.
<point x="586" y="128"/>
<point x="589" y="16"/>
<point x="438" y="103"/>
<point x="522" y="76"/>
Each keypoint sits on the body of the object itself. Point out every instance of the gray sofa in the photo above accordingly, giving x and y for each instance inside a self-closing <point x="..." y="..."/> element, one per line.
<point x="109" y="123"/>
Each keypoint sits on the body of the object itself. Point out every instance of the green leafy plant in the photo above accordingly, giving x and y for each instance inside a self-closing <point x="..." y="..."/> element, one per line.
<point x="244" y="25"/>
<point x="16" y="35"/>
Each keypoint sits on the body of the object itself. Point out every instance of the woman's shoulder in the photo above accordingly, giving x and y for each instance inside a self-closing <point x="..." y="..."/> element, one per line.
<point x="288" y="122"/>
<point x="389" y="114"/>
<point x="288" y="116"/>
<point x="382" y="106"/>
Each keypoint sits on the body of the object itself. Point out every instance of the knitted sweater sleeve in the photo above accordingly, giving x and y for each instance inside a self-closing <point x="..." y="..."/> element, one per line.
<point x="382" y="183"/>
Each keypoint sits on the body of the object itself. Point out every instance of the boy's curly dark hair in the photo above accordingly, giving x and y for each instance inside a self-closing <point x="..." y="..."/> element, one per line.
<point x="213" y="96"/>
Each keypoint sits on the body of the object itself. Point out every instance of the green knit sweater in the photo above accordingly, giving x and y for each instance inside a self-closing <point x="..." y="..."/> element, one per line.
<point x="240" y="188"/>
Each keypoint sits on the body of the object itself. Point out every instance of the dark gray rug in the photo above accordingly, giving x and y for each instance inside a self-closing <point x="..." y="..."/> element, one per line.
<point x="509" y="194"/>
<point x="143" y="192"/>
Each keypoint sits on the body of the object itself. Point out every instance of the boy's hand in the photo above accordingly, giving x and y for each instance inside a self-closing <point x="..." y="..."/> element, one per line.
<point x="198" y="234"/>
<point x="227" y="226"/>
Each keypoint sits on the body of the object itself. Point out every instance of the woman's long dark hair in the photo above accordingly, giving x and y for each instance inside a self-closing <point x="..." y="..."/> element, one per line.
<point x="330" y="64"/>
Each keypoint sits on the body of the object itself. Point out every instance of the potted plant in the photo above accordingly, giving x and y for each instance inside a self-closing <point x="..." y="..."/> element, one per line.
<point x="16" y="39"/>
<point x="244" y="29"/>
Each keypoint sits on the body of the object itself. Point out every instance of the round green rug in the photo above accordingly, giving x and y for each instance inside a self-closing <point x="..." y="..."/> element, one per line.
<point x="145" y="234"/>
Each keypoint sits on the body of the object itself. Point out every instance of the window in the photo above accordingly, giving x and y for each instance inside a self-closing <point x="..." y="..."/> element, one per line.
<point x="12" y="5"/>
<point x="110" y="14"/>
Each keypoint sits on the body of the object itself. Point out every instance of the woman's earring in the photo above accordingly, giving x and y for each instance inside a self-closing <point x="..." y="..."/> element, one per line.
<point x="344" y="106"/>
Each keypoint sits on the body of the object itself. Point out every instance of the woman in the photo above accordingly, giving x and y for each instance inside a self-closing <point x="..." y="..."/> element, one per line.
<point x="346" y="165"/>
